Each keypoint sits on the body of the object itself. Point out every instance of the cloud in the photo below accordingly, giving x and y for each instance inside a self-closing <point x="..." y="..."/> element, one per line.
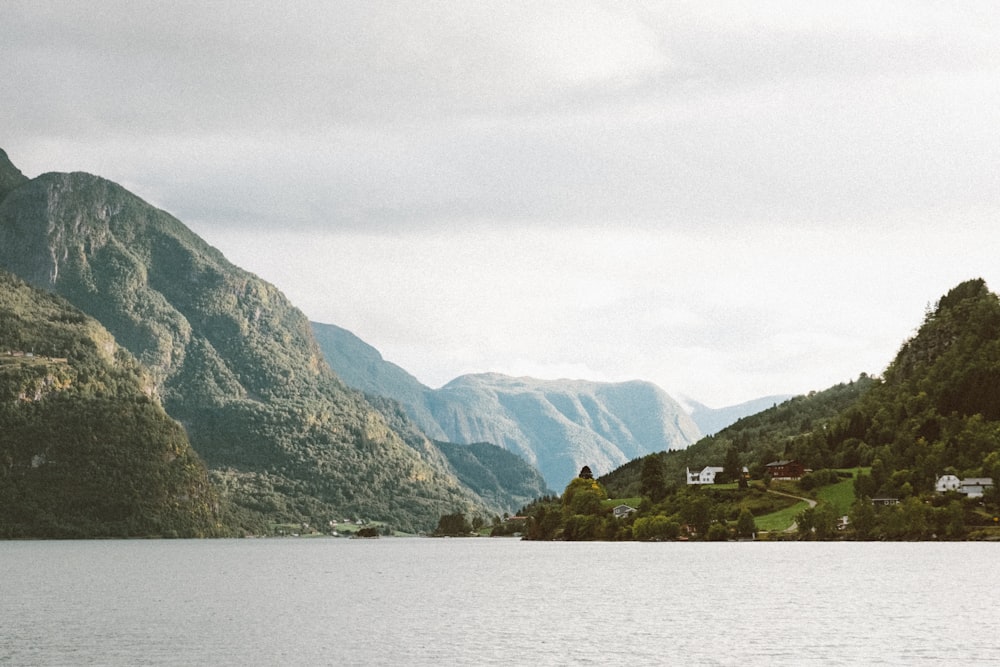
<point x="731" y="199"/>
<point x="401" y="115"/>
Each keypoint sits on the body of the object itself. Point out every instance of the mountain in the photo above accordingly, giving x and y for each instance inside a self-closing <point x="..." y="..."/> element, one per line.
<point x="501" y="479"/>
<point x="556" y="425"/>
<point x="935" y="414"/>
<point x="936" y="409"/>
<point x="85" y="449"/>
<point x="229" y="356"/>
<point x="713" y="420"/>
<point x="562" y="425"/>
<point x="938" y="405"/>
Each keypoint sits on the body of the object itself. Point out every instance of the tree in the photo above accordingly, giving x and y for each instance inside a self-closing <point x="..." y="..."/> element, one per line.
<point x="864" y="486"/>
<point x="955" y="514"/>
<point x="453" y="525"/>
<point x="695" y="511"/>
<point x="718" y="532"/>
<point x="656" y="527"/>
<point x="863" y="519"/>
<point x="583" y="496"/>
<point x="731" y="467"/>
<point x="818" y="522"/>
<point x="745" y="525"/>
<point x="651" y="482"/>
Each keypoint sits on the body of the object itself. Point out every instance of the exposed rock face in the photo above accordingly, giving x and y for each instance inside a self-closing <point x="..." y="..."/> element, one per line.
<point x="562" y="425"/>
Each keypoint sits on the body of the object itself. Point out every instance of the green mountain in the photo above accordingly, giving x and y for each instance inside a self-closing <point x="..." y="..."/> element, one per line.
<point x="498" y="476"/>
<point x="85" y="449"/>
<point x="935" y="410"/>
<point x="229" y="356"/>
<point x="938" y="406"/>
<point x="501" y="478"/>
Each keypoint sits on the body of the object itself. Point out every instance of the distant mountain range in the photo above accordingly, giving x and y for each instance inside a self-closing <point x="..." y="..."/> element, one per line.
<point x="713" y="420"/>
<point x="557" y="425"/>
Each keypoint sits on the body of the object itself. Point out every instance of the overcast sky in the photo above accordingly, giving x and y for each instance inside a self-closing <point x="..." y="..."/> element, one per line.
<point x="728" y="199"/>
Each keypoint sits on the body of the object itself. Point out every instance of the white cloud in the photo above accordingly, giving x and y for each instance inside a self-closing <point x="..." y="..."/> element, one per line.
<point x="730" y="199"/>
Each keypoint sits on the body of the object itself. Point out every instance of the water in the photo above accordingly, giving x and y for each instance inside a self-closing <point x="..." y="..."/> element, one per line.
<point x="483" y="601"/>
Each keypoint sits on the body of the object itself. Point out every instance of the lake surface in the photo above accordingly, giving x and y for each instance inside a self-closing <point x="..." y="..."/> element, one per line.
<point x="497" y="601"/>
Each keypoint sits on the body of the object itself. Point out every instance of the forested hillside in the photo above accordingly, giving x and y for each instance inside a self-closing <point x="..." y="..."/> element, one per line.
<point x="85" y="449"/>
<point x="872" y="451"/>
<point x="938" y="406"/>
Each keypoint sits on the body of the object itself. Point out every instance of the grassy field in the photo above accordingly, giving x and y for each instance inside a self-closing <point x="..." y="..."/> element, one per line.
<point x="840" y="495"/>
<point x="781" y="519"/>
<point x="614" y="502"/>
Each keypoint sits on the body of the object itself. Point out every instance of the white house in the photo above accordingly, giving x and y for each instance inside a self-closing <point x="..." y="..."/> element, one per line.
<point x="705" y="476"/>
<point x="973" y="487"/>
<point x="947" y="483"/>
<point x="622" y="511"/>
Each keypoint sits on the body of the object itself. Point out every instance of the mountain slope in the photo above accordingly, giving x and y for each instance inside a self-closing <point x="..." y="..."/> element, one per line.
<point x="497" y="475"/>
<point x="556" y="425"/>
<point x="233" y="360"/>
<point x="361" y="366"/>
<point x="938" y="406"/>
<point x="84" y="450"/>
<point x="936" y="409"/>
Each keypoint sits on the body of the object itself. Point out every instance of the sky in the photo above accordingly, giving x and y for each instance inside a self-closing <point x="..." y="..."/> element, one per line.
<point x="729" y="199"/>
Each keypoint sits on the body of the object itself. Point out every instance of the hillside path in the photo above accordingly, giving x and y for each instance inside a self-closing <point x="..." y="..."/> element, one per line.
<point x="812" y="503"/>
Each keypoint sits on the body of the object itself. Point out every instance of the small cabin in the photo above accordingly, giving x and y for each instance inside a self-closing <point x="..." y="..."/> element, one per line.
<point x="789" y="470"/>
